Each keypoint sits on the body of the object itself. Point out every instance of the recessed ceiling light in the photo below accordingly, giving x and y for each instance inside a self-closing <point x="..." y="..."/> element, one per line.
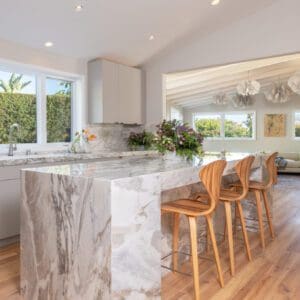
<point x="48" y="44"/>
<point x="151" y="37"/>
<point x="79" y="8"/>
<point x="215" y="2"/>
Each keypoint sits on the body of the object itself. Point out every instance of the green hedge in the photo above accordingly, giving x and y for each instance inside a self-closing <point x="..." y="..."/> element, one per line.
<point x="21" y="109"/>
<point x="58" y="118"/>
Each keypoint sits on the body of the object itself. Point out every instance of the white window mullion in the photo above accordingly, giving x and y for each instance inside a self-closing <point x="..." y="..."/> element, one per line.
<point x="76" y="124"/>
<point x="223" y="126"/>
<point x="41" y="110"/>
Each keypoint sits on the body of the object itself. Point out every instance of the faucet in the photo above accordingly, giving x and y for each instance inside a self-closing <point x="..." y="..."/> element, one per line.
<point x="12" y="144"/>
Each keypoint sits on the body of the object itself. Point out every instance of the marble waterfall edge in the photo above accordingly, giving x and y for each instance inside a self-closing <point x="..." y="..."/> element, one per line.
<point x="66" y="226"/>
<point x="136" y="238"/>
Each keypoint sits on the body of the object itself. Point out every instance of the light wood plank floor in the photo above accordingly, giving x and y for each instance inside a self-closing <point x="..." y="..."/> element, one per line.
<point x="272" y="275"/>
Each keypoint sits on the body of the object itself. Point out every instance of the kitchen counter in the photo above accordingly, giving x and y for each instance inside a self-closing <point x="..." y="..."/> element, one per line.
<point x="93" y="230"/>
<point x="22" y="159"/>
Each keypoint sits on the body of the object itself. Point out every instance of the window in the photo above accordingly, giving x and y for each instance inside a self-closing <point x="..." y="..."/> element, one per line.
<point x="235" y="125"/>
<point x="208" y="125"/>
<point x="59" y="95"/>
<point x="297" y="125"/>
<point x="18" y="106"/>
<point x="175" y="113"/>
<point x="239" y="125"/>
<point x="40" y="105"/>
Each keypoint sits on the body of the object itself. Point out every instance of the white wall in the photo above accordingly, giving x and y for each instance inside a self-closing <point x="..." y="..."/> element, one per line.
<point x="261" y="143"/>
<point x="269" y="32"/>
<point x="19" y="56"/>
<point x="44" y="59"/>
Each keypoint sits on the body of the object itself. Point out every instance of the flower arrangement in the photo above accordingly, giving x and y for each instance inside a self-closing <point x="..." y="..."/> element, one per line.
<point x="171" y="136"/>
<point x="81" y="139"/>
<point x="175" y="136"/>
<point x="85" y="135"/>
<point x="142" y="139"/>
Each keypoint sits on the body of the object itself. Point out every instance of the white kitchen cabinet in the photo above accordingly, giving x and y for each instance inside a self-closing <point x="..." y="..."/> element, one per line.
<point x="114" y="93"/>
<point x="130" y="95"/>
<point x="10" y="196"/>
<point x="10" y="193"/>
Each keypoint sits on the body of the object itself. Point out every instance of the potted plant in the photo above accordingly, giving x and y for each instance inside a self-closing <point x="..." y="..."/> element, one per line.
<point x="140" y="140"/>
<point x="178" y="137"/>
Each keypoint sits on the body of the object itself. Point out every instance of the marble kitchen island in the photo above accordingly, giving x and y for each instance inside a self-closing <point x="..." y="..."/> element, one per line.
<point x="93" y="230"/>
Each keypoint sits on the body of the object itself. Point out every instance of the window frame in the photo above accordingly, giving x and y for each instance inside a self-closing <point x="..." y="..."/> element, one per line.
<point x="41" y="75"/>
<point x="296" y="138"/>
<point x="217" y="138"/>
<point x="253" y="138"/>
<point x="222" y="118"/>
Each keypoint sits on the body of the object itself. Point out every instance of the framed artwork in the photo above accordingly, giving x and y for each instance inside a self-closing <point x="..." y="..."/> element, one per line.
<point x="274" y="125"/>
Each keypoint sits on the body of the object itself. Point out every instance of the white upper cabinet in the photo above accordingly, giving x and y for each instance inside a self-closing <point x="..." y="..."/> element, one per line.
<point x="114" y="92"/>
<point x="130" y="94"/>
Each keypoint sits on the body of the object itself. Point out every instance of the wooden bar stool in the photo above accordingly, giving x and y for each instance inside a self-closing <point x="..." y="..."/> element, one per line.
<point x="210" y="176"/>
<point x="261" y="188"/>
<point x="243" y="168"/>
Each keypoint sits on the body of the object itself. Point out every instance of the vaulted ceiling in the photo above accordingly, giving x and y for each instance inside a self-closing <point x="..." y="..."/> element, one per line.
<point x="115" y="29"/>
<point x="199" y="87"/>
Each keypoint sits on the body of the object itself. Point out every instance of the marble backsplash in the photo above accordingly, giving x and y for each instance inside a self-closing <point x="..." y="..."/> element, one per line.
<point x="112" y="137"/>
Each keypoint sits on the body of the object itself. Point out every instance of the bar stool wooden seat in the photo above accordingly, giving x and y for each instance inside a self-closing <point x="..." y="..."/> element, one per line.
<point x="261" y="188"/>
<point x="243" y="168"/>
<point x="210" y="176"/>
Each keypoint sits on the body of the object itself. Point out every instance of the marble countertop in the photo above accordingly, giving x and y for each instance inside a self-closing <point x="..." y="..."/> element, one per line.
<point x="22" y="159"/>
<point x="100" y="222"/>
<point x="134" y="166"/>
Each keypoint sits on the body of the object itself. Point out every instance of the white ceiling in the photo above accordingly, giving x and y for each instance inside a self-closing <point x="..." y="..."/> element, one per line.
<point x="199" y="87"/>
<point x="115" y="29"/>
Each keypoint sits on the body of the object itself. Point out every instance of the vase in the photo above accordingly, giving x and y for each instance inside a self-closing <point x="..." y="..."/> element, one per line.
<point x="80" y="146"/>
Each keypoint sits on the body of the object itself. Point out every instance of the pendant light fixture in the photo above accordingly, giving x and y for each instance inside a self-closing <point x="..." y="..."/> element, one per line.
<point x="278" y="93"/>
<point x="221" y="99"/>
<point x="248" y="87"/>
<point x="242" y="101"/>
<point x="294" y="83"/>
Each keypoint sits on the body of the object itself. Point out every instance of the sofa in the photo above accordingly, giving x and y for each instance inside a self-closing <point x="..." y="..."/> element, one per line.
<point x="293" y="162"/>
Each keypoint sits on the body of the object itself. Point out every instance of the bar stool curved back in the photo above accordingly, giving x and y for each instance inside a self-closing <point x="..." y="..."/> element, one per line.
<point x="211" y="177"/>
<point x="242" y="169"/>
<point x="272" y="172"/>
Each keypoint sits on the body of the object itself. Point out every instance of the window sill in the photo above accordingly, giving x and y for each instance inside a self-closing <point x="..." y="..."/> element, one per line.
<point x="40" y="148"/>
<point x="229" y="139"/>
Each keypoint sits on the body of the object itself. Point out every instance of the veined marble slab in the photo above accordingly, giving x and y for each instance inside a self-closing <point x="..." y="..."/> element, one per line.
<point x="93" y="231"/>
<point x="21" y="159"/>
<point x="112" y="137"/>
